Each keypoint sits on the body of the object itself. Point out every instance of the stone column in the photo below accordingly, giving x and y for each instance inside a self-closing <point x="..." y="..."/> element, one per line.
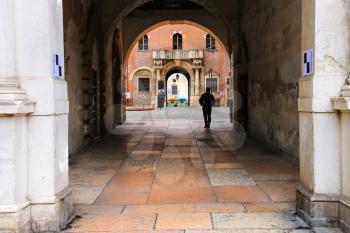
<point x="14" y="108"/>
<point x="197" y="82"/>
<point x="342" y="104"/>
<point x="39" y="35"/>
<point x="9" y="83"/>
<point x="157" y="79"/>
<point x="320" y="125"/>
<point x="156" y="87"/>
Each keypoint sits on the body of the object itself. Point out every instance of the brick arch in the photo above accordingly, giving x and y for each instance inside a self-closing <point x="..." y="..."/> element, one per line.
<point x="163" y="23"/>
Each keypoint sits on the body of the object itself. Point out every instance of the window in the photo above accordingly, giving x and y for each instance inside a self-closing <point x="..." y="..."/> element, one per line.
<point x="210" y="42"/>
<point x="144" y="85"/>
<point x="212" y="83"/>
<point x="177" y="41"/>
<point x="174" y="89"/>
<point x="143" y="43"/>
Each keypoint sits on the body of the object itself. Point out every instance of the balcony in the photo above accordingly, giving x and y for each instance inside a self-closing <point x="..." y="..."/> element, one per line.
<point x="178" y="54"/>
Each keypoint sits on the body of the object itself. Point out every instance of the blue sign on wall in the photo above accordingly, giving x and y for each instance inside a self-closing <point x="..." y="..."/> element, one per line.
<point x="57" y="63"/>
<point x="309" y="62"/>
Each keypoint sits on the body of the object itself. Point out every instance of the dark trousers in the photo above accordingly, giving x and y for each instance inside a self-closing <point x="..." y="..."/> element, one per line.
<point x="207" y="116"/>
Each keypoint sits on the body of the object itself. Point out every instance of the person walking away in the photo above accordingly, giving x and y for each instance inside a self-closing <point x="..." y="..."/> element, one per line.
<point x="207" y="102"/>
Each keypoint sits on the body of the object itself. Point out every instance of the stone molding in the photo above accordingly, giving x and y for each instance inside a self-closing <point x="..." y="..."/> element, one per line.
<point x="10" y="108"/>
<point x="323" y="211"/>
<point x="342" y="103"/>
<point x="5" y="209"/>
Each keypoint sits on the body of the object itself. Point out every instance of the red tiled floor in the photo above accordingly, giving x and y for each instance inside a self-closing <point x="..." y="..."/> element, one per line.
<point x="156" y="190"/>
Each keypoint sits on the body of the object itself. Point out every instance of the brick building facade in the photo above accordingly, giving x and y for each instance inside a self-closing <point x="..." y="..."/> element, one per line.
<point x="162" y="55"/>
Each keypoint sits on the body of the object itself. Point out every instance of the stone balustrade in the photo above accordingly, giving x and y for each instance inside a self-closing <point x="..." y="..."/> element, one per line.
<point x="178" y="54"/>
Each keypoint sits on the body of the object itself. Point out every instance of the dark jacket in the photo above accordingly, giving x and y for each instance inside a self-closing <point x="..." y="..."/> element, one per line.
<point x="207" y="100"/>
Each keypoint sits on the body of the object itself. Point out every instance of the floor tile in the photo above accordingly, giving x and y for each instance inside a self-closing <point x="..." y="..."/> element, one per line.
<point x="183" y="195"/>
<point x="184" y="221"/>
<point x="280" y="191"/>
<point x="96" y="223"/>
<point x="242" y="194"/>
<point x="181" y="179"/>
<point x="130" y="183"/>
<point x="269" y="167"/>
<point x="222" y="165"/>
<point x="180" y="142"/>
<point x="226" y="177"/>
<point x="270" y="207"/>
<point x="122" y="199"/>
<point x="107" y="210"/>
<point x="252" y="220"/>
<point x="85" y="195"/>
<point x="218" y="157"/>
<point x="83" y="177"/>
<point x="180" y="165"/>
<point x="185" y="208"/>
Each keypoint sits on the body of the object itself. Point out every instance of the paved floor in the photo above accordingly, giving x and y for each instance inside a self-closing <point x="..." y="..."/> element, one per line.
<point x="163" y="172"/>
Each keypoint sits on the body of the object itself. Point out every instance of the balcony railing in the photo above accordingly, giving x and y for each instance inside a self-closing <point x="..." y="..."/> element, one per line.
<point x="178" y="54"/>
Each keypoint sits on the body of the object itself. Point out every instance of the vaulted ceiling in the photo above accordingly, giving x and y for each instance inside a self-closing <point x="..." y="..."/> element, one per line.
<point x="220" y="16"/>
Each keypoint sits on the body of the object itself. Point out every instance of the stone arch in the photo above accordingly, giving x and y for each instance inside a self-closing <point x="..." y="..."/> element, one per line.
<point x="137" y="97"/>
<point x="135" y="71"/>
<point x="175" y="64"/>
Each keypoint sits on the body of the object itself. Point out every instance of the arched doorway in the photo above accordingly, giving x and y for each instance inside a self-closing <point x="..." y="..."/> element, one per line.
<point x="178" y="88"/>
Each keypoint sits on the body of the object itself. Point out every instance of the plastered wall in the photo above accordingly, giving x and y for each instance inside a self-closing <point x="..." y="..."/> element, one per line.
<point x="272" y="32"/>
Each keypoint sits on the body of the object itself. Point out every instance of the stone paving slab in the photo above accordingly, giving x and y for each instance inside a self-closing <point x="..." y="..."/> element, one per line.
<point x="227" y="177"/>
<point x="109" y="210"/>
<point x="181" y="179"/>
<point x="180" y="165"/>
<point x="222" y="221"/>
<point x="182" y="195"/>
<point x="280" y="191"/>
<point x="223" y="165"/>
<point x="136" y="198"/>
<point x="249" y="231"/>
<point x="241" y="194"/>
<point x="180" y="142"/>
<point x="83" y="177"/>
<point x="85" y="195"/>
<point x="185" y="208"/>
<point x="178" y="221"/>
<point x="270" y="207"/>
<point x="269" y="167"/>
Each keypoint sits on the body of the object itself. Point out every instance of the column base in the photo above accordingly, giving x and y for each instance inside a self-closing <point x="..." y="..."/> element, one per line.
<point x="316" y="210"/>
<point x="15" y="220"/>
<point x="51" y="216"/>
<point x="344" y="215"/>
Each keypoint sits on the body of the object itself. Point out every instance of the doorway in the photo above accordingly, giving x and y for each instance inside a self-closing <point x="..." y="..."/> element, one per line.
<point x="178" y="88"/>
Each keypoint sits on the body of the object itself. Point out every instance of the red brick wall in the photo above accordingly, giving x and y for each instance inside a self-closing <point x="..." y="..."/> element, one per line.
<point x="193" y="38"/>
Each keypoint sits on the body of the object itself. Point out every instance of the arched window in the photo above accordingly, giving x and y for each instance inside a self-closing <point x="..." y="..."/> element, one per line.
<point x="177" y="41"/>
<point x="143" y="43"/>
<point x="210" y="42"/>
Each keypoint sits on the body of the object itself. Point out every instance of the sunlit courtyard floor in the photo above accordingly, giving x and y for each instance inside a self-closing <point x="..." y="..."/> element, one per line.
<point x="163" y="172"/>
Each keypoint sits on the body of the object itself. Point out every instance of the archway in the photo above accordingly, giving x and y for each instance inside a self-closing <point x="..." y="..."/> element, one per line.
<point x="271" y="67"/>
<point x="178" y="88"/>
